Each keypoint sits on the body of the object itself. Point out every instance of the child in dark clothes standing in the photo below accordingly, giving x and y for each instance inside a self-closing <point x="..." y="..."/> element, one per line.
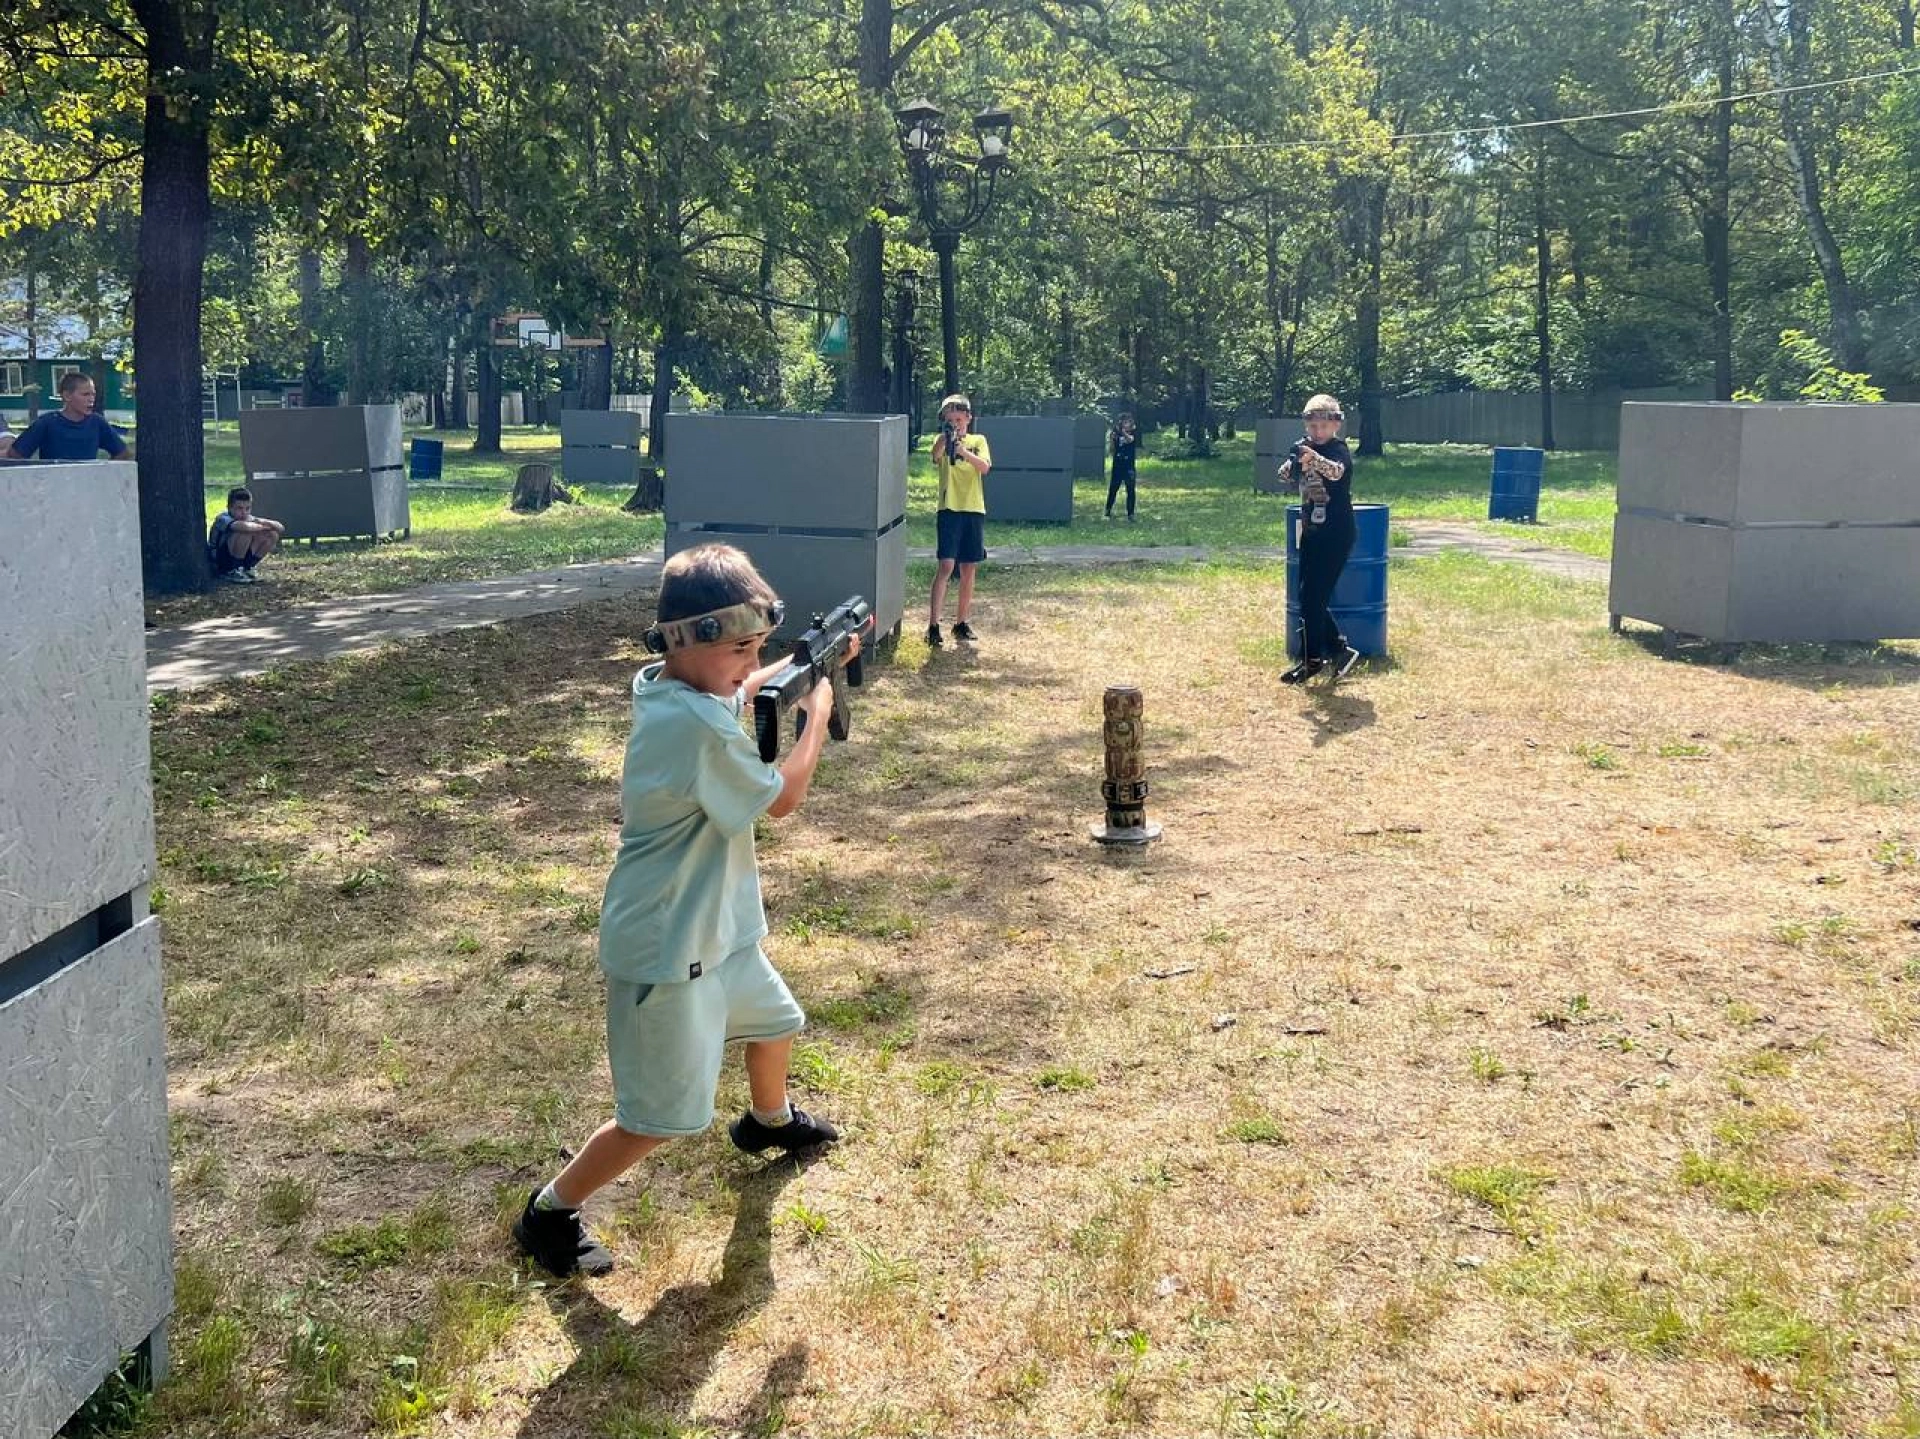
<point x="1321" y="467"/>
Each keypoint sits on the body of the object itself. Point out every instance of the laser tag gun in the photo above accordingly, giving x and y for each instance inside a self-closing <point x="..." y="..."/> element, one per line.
<point x="819" y="654"/>
<point x="1307" y="470"/>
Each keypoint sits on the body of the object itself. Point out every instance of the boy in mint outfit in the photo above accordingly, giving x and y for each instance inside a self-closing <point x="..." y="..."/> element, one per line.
<point x="681" y="924"/>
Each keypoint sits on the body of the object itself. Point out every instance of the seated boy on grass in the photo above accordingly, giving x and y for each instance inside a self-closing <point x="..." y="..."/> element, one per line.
<point x="240" y="539"/>
<point x="681" y="924"/>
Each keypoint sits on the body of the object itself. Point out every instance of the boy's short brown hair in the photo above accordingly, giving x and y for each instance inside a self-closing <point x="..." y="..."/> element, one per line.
<point x="73" y="380"/>
<point x="707" y="578"/>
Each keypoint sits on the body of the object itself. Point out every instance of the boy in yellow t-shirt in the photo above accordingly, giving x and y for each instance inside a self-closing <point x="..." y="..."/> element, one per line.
<point x="961" y="461"/>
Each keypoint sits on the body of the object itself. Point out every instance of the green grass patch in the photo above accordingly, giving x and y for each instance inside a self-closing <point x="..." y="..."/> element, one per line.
<point x="1507" y="1189"/>
<point x="428" y="1230"/>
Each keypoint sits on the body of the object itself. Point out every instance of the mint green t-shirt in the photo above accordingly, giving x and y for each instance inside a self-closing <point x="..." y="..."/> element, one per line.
<point x="685" y="887"/>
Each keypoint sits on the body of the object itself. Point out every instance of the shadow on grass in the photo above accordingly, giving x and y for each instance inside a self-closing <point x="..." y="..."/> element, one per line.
<point x="1855" y="665"/>
<point x="659" y="1363"/>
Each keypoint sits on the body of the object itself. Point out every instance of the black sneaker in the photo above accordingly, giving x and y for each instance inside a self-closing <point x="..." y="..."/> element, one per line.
<point x="934" y="641"/>
<point x="559" y="1242"/>
<point x="803" y="1131"/>
<point x="1347" y="659"/>
<point x="964" y="631"/>
<point x="1303" y="672"/>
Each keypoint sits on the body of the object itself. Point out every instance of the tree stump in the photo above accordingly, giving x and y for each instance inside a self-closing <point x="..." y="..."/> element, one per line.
<point x="535" y="488"/>
<point x="650" y="495"/>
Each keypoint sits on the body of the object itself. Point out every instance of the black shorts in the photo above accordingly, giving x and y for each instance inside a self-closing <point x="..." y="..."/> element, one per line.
<point x="223" y="559"/>
<point x="962" y="536"/>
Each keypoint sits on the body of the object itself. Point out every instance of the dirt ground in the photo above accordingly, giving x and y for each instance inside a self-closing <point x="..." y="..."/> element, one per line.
<point x="1518" y="1039"/>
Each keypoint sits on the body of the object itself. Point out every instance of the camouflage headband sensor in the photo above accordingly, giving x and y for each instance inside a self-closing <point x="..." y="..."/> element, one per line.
<point x="716" y="626"/>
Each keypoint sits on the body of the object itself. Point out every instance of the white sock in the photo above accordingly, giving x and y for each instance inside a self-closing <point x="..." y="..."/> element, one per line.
<point x="547" y="1199"/>
<point x="783" y="1115"/>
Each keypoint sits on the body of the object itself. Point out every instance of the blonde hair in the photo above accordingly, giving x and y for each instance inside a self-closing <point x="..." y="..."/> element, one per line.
<point x="1322" y="407"/>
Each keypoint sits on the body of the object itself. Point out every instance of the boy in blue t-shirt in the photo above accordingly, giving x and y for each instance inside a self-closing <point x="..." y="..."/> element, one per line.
<point x="681" y="923"/>
<point x="239" y="539"/>
<point x="72" y="432"/>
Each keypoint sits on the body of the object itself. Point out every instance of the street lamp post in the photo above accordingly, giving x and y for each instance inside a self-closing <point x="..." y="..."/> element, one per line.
<point x="923" y="137"/>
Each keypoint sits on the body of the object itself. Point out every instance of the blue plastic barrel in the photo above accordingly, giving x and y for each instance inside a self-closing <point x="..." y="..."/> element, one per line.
<point x="1516" y="484"/>
<point x="1360" y="597"/>
<point x="423" y="461"/>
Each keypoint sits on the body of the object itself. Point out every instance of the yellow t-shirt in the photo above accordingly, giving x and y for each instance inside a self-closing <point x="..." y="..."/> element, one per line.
<point x="960" y="487"/>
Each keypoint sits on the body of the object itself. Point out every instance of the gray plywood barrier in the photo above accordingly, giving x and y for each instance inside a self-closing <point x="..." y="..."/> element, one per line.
<point x="1773" y="523"/>
<point x="1089" y="446"/>
<point x="1033" y="467"/>
<point x="1271" y="440"/>
<point x="85" y="1234"/>
<point x="818" y="501"/>
<point x="601" y="447"/>
<point x="328" y="473"/>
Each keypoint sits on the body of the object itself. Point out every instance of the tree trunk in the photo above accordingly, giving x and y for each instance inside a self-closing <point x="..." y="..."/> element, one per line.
<point x="457" y="388"/>
<point x="866" y="379"/>
<point x="1543" y="292"/>
<point x="1063" y="355"/>
<point x="1903" y="24"/>
<point x="1792" y="54"/>
<point x="596" y="377"/>
<point x="355" y="283"/>
<point x="33" y="342"/>
<point x="1367" y="337"/>
<point x="168" y="278"/>
<point x="1716" y="224"/>
<point x="486" y="379"/>
<point x="314" y="389"/>
<point x="664" y="358"/>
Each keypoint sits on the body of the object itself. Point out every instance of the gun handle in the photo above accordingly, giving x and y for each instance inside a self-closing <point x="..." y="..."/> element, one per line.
<point x="766" y="727"/>
<point x="840" y="717"/>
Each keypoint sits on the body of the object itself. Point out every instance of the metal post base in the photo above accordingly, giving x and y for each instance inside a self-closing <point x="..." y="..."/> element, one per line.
<point x="1131" y="836"/>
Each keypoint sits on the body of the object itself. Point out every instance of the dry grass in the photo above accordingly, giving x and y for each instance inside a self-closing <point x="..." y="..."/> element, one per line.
<point x="1569" y="1088"/>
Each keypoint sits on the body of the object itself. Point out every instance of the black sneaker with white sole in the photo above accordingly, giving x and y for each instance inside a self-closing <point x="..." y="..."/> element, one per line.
<point x="1303" y="672"/>
<point x="1345" y="661"/>
<point x="934" y="641"/>
<point x="557" y="1241"/>
<point x="803" y="1131"/>
<point x="964" y="631"/>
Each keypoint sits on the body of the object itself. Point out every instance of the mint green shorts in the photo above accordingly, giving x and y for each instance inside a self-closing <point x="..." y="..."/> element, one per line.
<point x="665" y="1041"/>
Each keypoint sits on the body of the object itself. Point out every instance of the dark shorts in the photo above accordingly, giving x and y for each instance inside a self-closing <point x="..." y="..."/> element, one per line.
<point x="223" y="559"/>
<point x="962" y="537"/>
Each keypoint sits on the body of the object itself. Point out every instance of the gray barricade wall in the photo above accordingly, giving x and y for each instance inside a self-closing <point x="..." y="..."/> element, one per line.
<point x="1271" y="440"/>
<point x="601" y="447"/>
<point x="336" y="472"/>
<point x="1771" y="523"/>
<point x="85" y="1233"/>
<point x="1090" y="446"/>
<point x="818" y="501"/>
<point x="1033" y="467"/>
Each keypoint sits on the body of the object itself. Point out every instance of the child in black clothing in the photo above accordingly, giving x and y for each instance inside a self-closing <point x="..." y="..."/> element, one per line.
<point x="1126" y="448"/>
<point x="1321" y="468"/>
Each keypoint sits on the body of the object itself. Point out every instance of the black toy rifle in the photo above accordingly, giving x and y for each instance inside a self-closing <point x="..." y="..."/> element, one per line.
<point x="820" y="653"/>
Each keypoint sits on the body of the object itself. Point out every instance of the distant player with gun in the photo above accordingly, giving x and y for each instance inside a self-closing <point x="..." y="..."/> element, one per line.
<point x="682" y="921"/>
<point x="960" y="462"/>
<point x="1320" y="467"/>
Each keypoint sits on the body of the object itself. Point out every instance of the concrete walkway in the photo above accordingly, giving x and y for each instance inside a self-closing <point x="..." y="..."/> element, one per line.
<point x="208" y="651"/>
<point x="1432" y="537"/>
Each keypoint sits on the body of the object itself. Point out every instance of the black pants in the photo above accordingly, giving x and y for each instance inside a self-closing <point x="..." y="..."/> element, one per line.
<point x="1323" y="554"/>
<point x="1121" y="476"/>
